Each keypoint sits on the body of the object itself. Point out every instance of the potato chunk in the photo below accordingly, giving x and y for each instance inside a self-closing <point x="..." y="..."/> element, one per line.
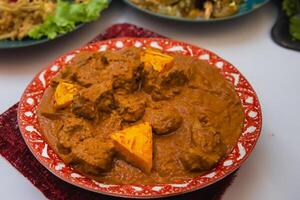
<point x="156" y="59"/>
<point x="135" y="144"/>
<point x="64" y="94"/>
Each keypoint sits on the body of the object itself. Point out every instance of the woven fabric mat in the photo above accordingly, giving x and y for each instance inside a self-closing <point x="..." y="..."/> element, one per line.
<point x="14" y="149"/>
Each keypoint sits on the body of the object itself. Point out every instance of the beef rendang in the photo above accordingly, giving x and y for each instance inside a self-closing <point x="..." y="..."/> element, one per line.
<point x="140" y="116"/>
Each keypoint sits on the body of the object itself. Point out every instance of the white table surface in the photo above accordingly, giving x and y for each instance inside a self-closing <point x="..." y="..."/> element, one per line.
<point x="272" y="171"/>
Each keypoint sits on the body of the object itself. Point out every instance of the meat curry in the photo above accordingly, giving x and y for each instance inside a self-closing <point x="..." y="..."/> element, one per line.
<point x="140" y="116"/>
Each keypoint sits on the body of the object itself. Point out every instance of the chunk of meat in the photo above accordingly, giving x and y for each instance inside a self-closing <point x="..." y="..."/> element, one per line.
<point x="154" y="87"/>
<point x="64" y="94"/>
<point x="122" y="55"/>
<point x="87" y="65"/>
<point x="108" y="124"/>
<point x="83" y="58"/>
<point x="77" y="70"/>
<point x="207" y="137"/>
<point x="135" y="145"/>
<point x="47" y="106"/>
<point x="74" y="131"/>
<point x="82" y="76"/>
<point x="165" y="84"/>
<point x="125" y="73"/>
<point x="196" y="160"/>
<point x="82" y="107"/>
<point x="94" y="92"/>
<point x="206" y="149"/>
<point x="130" y="107"/>
<point x="100" y="94"/>
<point x="128" y="78"/>
<point x="106" y="102"/>
<point x="98" y="97"/>
<point x="94" y="155"/>
<point x="178" y="74"/>
<point x="164" y="119"/>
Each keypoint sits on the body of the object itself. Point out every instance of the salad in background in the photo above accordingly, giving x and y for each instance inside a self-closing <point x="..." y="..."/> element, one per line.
<point x="45" y="18"/>
<point x="292" y="10"/>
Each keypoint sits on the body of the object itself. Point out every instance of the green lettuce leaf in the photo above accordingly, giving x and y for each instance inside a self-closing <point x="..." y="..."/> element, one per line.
<point x="295" y="27"/>
<point x="292" y="10"/>
<point x="290" y="7"/>
<point x="66" y="16"/>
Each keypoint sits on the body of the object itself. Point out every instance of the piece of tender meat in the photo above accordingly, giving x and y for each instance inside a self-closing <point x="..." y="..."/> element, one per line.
<point x="87" y="65"/>
<point x="205" y="136"/>
<point x="100" y="94"/>
<point x="108" y="124"/>
<point x="81" y="67"/>
<point x="151" y="85"/>
<point x="83" y="58"/>
<point x="128" y="77"/>
<point x="158" y="85"/>
<point x="206" y="149"/>
<point x="94" y="155"/>
<point x="123" y="55"/>
<point x="83" y="76"/>
<point x="83" y="107"/>
<point x="106" y="102"/>
<point x="164" y="119"/>
<point x="125" y="69"/>
<point x="47" y="107"/>
<point x="73" y="132"/>
<point x="130" y="107"/>
<point x="94" y="92"/>
<point x="155" y="90"/>
<point x="194" y="159"/>
<point x="159" y="94"/>
<point x="178" y="72"/>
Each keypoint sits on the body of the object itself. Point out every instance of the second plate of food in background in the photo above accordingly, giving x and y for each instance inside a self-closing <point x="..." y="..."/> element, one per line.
<point x="195" y="11"/>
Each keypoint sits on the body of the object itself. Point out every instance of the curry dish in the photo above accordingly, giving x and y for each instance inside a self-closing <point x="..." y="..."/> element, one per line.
<point x="191" y="8"/>
<point x="140" y="116"/>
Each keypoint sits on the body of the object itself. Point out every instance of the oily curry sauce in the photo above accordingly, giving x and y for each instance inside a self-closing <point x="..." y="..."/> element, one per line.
<point x="193" y="114"/>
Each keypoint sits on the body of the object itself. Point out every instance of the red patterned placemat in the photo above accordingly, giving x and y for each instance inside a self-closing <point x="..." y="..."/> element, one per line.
<point x="14" y="149"/>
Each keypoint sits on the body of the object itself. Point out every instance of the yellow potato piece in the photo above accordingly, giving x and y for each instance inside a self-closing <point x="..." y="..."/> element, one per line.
<point x="156" y="59"/>
<point x="64" y="94"/>
<point x="135" y="144"/>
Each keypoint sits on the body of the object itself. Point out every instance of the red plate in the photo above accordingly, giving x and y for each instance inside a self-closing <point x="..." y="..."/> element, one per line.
<point x="30" y="128"/>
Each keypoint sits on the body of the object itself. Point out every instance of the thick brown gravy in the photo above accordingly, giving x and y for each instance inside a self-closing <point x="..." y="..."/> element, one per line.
<point x="195" y="114"/>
